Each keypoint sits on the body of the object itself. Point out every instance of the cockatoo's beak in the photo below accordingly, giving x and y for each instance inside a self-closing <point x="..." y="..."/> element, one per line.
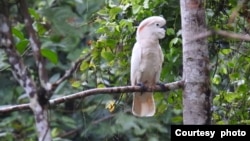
<point x="164" y="27"/>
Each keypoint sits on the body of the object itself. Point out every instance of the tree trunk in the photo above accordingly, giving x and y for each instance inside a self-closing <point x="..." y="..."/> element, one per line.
<point x="196" y="94"/>
<point x="21" y="74"/>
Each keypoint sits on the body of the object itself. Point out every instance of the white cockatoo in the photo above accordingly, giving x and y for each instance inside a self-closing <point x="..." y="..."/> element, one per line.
<point x="146" y="63"/>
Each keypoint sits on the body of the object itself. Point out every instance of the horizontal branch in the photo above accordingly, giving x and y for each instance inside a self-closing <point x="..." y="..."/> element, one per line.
<point x="227" y="34"/>
<point x="82" y="94"/>
<point x="233" y="35"/>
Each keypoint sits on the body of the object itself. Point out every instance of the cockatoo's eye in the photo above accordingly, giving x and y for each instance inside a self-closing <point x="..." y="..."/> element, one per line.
<point x="157" y="24"/>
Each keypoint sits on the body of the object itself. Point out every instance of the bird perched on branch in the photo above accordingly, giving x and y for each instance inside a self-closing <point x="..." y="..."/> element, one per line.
<point x="146" y="63"/>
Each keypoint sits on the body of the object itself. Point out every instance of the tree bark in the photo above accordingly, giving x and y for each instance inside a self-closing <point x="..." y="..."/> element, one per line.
<point x="20" y="72"/>
<point x="196" y="94"/>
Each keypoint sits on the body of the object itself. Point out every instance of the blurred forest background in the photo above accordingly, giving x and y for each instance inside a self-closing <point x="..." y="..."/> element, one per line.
<point x="104" y="32"/>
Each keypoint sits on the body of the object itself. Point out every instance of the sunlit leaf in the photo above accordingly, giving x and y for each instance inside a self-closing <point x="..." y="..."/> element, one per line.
<point x="109" y="56"/>
<point x="224" y="70"/>
<point x="230" y="97"/>
<point x="34" y="13"/>
<point x="114" y="11"/>
<point x="216" y="79"/>
<point x="76" y="84"/>
<point x="55" y="132"/>
<point x="174" y="41"/>
<point x="226" y="51"/>
<point x="136" y="9"/>
<point x="101" y="85"/>
<point x="84" y="66"/>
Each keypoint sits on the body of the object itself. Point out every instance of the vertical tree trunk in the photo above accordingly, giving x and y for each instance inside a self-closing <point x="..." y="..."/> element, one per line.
<point x="196" y="94"/>
<point x="20" y="73"/>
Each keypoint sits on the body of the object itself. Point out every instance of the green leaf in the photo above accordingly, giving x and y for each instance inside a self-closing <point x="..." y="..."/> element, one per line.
<point x="226" y="51"/>
<point x="216" y="79"/>
<point x="136" y="9"/>
<point x="224" y="70"/>
<point x="101" y="85"/>
<point x="22" y="45"/>
<point x="231" y="64"/>
<point x="55" y="132"/>
<point x="109" y="56"/>
<point x="50" y="55"/>
<point x="177" y="119"/>
<point x="234" y="76"/>
<point x="230" y="97"/>
<point x="111" y="43"/>
<point x="173" y="42"/>
<point x="69" y="122"/>
<point x="242" y="88"/>
<point x="170" y="31"/>
<point x="245" y="122"/>
<point x="84" y="66"/>
<point x="39" y="27"/>
<point x="114" y="11"/>
<point x="34" y="13"/>
<point x="76" y="84"/>
<point x="17" y="33"/>
<point x="220" y="122"/>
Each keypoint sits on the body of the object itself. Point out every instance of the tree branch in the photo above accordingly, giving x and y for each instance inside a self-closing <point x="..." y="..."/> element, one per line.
<point x="35" y="45"/>
<point x="233" y="35"/>
<point x="223" y="33"/>
<point x="70" y="71"/>
<point x="111" y="90"/>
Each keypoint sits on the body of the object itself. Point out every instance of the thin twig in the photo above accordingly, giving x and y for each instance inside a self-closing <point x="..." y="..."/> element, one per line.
<point x="69" y="133"/>
<point x="103" y="119"/>
<point x="107" y="117"/>
<point x="70" y="71"/>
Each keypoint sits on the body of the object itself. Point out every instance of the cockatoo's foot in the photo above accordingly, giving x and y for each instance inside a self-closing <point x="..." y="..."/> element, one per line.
<point x="143" y="87"/>
<point x="162" y="86"/>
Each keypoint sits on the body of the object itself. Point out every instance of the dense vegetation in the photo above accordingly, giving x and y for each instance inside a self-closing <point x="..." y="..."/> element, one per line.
<point x="104" y="31"/>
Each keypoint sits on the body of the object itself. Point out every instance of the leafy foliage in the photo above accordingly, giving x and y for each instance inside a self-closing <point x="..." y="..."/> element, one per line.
<point x="106" y="30"/>
<point x="230" y="64"/>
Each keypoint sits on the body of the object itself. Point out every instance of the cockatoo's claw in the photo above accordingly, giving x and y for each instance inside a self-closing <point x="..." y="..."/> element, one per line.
<point x="162" y="86"/>
<point x="143" y="87"/>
